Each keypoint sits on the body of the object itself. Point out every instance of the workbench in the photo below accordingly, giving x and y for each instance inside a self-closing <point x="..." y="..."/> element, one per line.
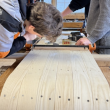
<point x="74" y="21"/>
<point x="103" y="62"/>
<point x="103" y="65"/>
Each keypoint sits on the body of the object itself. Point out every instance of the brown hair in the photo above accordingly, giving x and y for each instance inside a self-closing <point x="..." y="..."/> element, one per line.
<point x="46" y="19"/>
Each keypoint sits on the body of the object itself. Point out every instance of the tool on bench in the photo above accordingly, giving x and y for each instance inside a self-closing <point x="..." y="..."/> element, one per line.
<point x="90" y="47"/>
<point x="75" y="36"/>
<point x="66" y="41"/>
<point x="28" y="47"/>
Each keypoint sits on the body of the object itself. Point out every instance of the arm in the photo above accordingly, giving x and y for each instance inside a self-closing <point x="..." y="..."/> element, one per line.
<point x="17" y="45"/>
<point x="102" y="25"/>
<point x="75" y="5"/>
<point x="66" y="11"/>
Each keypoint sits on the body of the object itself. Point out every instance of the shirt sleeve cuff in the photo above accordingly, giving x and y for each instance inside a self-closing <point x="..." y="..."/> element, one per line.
<point x="91" y="39"/>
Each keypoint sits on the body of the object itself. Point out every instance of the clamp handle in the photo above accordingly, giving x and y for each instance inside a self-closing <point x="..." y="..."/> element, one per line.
<point x="28" y="47"/>
<point x="92" y="48"/>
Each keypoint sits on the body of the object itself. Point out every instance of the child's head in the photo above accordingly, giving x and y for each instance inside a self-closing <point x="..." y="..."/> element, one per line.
<point x="45" y="20"/>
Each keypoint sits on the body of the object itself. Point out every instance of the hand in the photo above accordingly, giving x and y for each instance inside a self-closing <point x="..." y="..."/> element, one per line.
<point x="83" y="41"/>
<point x="29" y="36"/>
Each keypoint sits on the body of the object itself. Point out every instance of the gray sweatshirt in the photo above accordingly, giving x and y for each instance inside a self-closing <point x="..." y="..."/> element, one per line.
<point x="98" y="20"/>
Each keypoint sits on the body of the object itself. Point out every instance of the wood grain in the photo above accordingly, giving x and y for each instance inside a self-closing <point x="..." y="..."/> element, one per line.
<point x="102" y="60"/>
<point x="9" y="61"/>
<point x="99" y="85"/>
<point x="56" y="80"/>
<point x="82" y="87"/>
<point x="75" y="16"/>
<point x="6" y="74"/>
<point x="106" y="72"/>
<point x="64" y="83"/>
<point x="6" y="62"/>
<point x="72" y="24"/>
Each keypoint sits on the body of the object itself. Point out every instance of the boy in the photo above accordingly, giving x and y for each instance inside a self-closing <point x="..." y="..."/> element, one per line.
<point x="98" y="25"/>
<point x="39" y="19"/>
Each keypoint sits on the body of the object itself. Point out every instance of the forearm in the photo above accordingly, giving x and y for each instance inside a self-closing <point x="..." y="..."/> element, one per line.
<point x="102" y="25"/>
<point x="66" y="11"/>
<point x="18" y="44"/>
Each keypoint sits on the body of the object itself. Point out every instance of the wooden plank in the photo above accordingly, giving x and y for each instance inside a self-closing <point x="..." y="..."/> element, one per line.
<point x="17" y="56"/>
<point x="75" y="16"/>
<point x="76" y="83"/>
<point x="106" y="72"/>
<point x="64" y="84"/>
<point x="47" y="84"/>
<point x="102" y="60"/>
<point x="82" y="87"/>
<point x="15" y="78"/>
<point x="12" y="58"/>
<point x="42" y="72"/>
<point x="99" y="85"/>
<point x="72" y="24"/>
<point x="6" y="62"/>
<point x="61" y="48"/>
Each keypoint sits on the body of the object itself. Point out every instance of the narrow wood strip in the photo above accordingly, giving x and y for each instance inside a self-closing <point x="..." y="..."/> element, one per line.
<point x="64" y="83"/>
<point x="82" y="88"/>
<point x="45" y="99"/>
<point x="6" y="74"/>
<point x="102" y="60"/>
<point x="30" y="83"/>
<point x="99" y="84"/>
<point x="72" y="24"/>
<point x="106" y="72"/>
<point x="61" y="48"/>
<point x="75" y="16"/>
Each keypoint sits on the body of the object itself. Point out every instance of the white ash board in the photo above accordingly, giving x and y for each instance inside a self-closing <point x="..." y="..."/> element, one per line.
<point x="56" y="80"/>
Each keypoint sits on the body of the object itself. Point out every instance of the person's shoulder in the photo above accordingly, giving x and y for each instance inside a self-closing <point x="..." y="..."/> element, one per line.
<point x="12" y="7"/>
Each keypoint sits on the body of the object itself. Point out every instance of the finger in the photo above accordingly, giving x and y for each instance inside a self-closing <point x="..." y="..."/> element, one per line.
<point x="81" y="43"/>
<point x="78" y="42"/>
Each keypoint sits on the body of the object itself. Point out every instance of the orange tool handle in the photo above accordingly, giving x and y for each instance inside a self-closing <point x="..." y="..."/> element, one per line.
<point x="28" y="47"/>
<point x="92" y="48"/>
<point x="28" y="1"/>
